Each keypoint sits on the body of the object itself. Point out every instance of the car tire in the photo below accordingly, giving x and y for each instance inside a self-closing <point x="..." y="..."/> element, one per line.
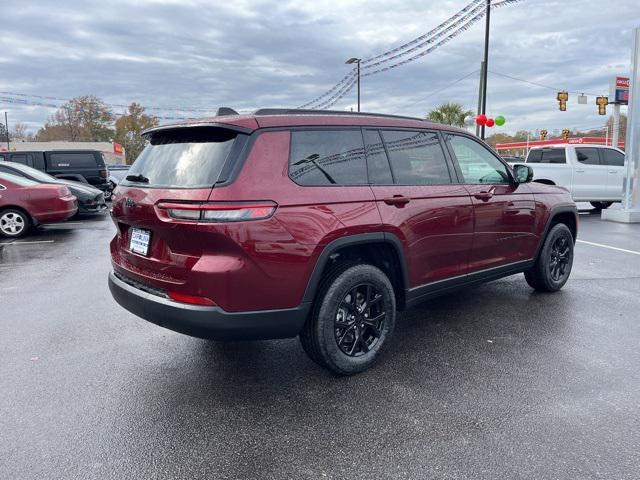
<point x="14" y="223"/>
<point x="553" y="265"/>
<point x="601" y="205"/>
<point x="352" y="319"/>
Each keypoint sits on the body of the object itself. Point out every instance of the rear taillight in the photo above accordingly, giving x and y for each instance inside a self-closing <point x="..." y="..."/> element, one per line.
<point x="219" y="211"/>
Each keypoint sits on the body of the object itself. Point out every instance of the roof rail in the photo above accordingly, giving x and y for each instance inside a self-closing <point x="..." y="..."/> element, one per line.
<point x="300" y="111"/>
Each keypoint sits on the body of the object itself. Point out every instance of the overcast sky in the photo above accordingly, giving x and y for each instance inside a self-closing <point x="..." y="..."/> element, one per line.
<point x="248" y="54"/>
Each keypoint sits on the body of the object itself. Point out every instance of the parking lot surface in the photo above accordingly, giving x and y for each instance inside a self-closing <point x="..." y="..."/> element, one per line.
<point x="490" y="382"/>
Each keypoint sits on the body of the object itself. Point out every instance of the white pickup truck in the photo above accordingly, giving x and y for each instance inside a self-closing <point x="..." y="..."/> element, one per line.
<point x="592" y="173"/>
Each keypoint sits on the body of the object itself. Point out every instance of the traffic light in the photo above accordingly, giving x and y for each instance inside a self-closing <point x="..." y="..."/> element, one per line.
<point x="565" y="134"/>
<point x="602" y="103"/>
<point x="543" y="134"/>
<point x="562" y="100"/>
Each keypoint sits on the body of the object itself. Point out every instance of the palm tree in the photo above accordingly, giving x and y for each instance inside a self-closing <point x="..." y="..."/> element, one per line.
<point x="450" y="114"/>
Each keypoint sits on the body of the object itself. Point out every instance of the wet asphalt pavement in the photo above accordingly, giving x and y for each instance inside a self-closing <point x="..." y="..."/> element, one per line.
<point x="488" y="383"/>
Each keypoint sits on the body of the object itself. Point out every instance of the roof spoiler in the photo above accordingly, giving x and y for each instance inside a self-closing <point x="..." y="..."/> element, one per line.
<point x="224" y="111"/>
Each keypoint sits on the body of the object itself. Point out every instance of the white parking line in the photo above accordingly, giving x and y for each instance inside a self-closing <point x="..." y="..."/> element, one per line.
<point x="29" y="241"/>
<point x="610" y="247"/>
<point x="61" y="224"/>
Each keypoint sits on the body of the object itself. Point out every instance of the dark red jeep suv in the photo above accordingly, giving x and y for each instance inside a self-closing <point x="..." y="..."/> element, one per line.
<point x="323" y="225"/>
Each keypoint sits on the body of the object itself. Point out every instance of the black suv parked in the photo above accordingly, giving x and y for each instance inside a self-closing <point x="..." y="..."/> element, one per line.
<point x="87" y="166"/>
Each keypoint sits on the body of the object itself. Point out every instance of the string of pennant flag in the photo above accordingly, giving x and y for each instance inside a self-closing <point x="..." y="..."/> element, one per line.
<point x="449" y="29"/>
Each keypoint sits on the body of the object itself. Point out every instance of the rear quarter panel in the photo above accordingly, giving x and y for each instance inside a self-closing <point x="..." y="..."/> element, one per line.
<point x="281" y="252"/>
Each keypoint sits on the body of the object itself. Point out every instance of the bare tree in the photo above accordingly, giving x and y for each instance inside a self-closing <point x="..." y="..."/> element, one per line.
<point x="19" y="131"/>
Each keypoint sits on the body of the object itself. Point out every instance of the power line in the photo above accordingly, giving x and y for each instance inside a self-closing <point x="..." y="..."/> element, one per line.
<point x="455" y="24"/>
<point x="435" y="92"/>
<point x="542" y="85"/>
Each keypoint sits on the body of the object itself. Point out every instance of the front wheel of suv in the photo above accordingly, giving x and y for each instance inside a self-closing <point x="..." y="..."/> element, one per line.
<point x="553" y="265"/>
<point x="352" y="319"/>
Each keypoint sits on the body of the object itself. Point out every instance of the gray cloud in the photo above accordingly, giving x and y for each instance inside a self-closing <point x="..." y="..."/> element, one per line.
<point x="248" y="54"/>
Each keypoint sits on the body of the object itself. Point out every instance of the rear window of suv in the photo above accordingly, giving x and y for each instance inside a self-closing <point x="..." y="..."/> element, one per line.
<point x="184" y="158"/>
<point x="551" y="155"/>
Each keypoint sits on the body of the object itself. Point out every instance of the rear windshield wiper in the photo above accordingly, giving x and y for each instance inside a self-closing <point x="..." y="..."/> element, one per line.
<point x="137" y="178"/>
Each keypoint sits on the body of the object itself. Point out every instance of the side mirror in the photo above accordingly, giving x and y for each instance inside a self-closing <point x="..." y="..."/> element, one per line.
<point x="522" y="173"/>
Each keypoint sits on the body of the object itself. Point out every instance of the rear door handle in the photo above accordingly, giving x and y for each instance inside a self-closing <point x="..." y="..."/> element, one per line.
<point x="613" y="171"/>
<point x="579" y="171"/>
<point x="483" y="195"/>
<point x="398" y="200"/>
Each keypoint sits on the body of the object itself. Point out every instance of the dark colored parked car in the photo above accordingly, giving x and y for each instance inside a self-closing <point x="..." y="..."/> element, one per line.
<point x="322" y="225"/>
<point x="116" y="175"/>
<point x="25" y="203"/>
<point x="86" y="166"/>
<point x="90" y="199"/>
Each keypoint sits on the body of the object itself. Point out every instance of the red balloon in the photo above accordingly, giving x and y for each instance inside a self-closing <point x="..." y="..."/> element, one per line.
<point x="490" y="122"/>
<point x="481" y="119"/>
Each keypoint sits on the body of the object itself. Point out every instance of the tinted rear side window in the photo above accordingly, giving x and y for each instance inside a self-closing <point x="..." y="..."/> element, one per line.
<point x="416" y="158"/>
<point x="72" y="160"/>
<point x="612" y="158"/>
<point x="588" y="156"/>
<point x="327" y="157"/>
<point x="535" y="156"/>
<point x="377" y="161"/>
<point x="184" y="158"/>
<point x="16" y="180"/>
<point x="550" y="155"/>
<point x="19" y="158"/>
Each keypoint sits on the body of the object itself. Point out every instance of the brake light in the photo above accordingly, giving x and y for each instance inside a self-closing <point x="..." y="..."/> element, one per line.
<point x="219" y="211"/>
<point x="191" y="299"/>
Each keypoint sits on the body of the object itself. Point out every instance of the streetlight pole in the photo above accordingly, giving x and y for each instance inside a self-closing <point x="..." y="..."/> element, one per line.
<point x="357" y="62"/>
<point x="485" y="64"/>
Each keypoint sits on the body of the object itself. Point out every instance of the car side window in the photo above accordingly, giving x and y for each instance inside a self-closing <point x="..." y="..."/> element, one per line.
<point x="612" y="158"/>
<point x="554" y="155"/>
<point x="535" y="156"/>
<point x="416" y="157"/>
<point x="377" y="160"/>
<point x="477" y="164"/>
<point x="19" y="158"/>
<point x="327" y="157"/>
<point x="4" y="169"/>
<point x="588" y="156"/>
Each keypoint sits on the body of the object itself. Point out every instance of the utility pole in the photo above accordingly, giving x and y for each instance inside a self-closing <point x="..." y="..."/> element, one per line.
<point x="486" y="65"/>
<point x="480" y="84"/>
<point x="6" y="126"/>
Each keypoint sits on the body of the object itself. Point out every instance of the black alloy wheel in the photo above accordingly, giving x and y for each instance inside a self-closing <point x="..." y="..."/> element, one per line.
<point x="560" y="258"/>
<point x="352" y="319"/>
<point x="359" y="321"/>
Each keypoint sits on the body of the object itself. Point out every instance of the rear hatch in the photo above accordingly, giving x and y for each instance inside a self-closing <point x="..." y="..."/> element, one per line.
<point x="179" y="167"/>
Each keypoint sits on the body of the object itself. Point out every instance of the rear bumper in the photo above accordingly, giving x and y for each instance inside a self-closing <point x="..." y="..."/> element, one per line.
<point x="208" y="322"/>
<point x="84" y="208"/>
